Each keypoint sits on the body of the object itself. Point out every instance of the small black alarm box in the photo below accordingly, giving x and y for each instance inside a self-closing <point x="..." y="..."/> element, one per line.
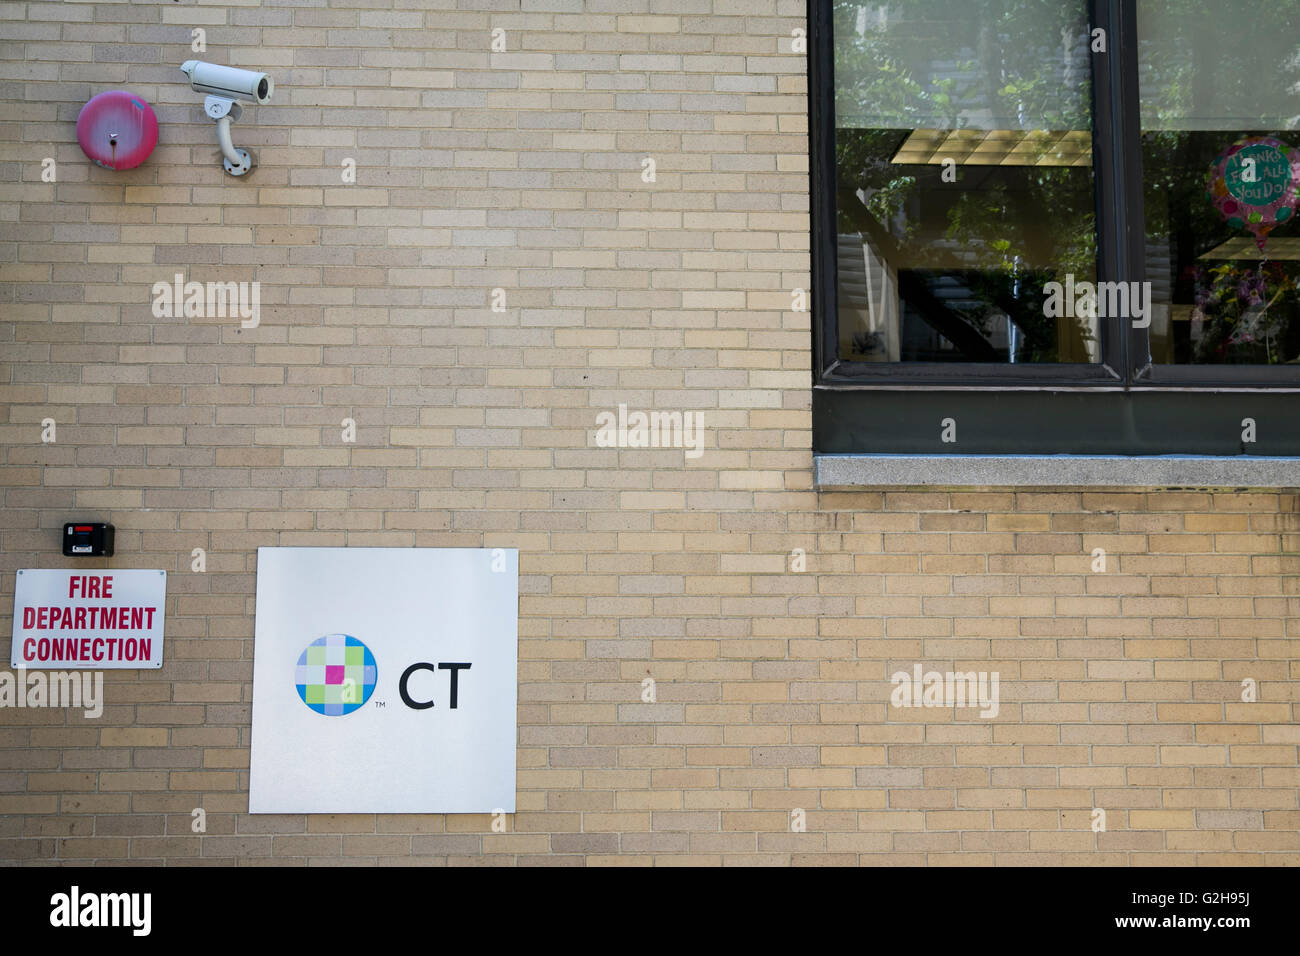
<point x="88" y="540"/>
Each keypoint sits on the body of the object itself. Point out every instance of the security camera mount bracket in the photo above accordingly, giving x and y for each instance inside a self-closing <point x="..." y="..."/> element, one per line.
<point x="226" y="111"/>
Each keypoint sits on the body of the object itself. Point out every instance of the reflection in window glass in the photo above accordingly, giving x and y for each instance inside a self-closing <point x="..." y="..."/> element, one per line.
<point x="1220" y="114"/>
<point x="963" y="151"/>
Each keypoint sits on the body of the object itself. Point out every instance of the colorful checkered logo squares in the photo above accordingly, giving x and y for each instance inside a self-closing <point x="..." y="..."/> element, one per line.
<point x="336" y="675"/>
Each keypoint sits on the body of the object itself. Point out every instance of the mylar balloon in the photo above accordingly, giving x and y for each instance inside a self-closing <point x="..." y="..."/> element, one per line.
<point x="118" y="130"/>
<point x="1252" y="184"/>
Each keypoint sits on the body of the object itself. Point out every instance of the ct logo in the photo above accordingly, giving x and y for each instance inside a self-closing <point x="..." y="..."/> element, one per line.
<point x="336" y="675"/>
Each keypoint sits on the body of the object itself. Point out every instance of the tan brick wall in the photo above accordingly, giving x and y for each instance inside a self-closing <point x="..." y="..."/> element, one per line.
<point x="523" y="171"/>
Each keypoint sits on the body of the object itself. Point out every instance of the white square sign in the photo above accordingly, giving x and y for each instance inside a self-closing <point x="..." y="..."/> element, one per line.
<point x="384" y="680"/>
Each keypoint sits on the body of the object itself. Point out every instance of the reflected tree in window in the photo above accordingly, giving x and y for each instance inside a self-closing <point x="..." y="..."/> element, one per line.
<point x="963" y="155"/>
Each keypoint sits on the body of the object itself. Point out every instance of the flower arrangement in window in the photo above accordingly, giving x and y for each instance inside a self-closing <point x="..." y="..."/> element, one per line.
<point x="1244" y="313"/>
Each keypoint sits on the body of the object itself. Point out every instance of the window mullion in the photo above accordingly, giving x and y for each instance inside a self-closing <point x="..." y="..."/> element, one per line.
<point x="1117" y="158"/>
<point x="1128" y="126"/>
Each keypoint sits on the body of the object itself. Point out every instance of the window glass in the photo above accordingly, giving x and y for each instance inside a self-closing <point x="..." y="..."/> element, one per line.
<point x="1220" y="106"/>
<point x="963" y="153"/>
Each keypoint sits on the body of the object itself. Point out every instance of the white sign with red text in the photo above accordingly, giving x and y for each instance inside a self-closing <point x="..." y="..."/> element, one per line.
<point x="97" y="620"/>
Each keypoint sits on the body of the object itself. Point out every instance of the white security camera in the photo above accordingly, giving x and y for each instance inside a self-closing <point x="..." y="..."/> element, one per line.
<point x="228" y="82"/>
<point x="224" y="85"/>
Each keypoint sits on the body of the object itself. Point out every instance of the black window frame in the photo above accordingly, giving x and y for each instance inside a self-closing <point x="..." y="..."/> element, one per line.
<point x="1122" y="405"/>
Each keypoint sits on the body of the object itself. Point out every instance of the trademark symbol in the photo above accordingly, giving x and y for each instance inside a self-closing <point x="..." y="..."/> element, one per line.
<point x="379" y="703"/>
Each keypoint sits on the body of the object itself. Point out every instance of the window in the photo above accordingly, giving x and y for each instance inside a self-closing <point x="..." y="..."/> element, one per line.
<point x="1064" y="227"/>
<point x="1224" y="266"/>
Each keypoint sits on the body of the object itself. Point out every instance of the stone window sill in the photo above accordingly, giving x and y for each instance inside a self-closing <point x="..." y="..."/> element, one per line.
<point x="1110" y="471"/>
